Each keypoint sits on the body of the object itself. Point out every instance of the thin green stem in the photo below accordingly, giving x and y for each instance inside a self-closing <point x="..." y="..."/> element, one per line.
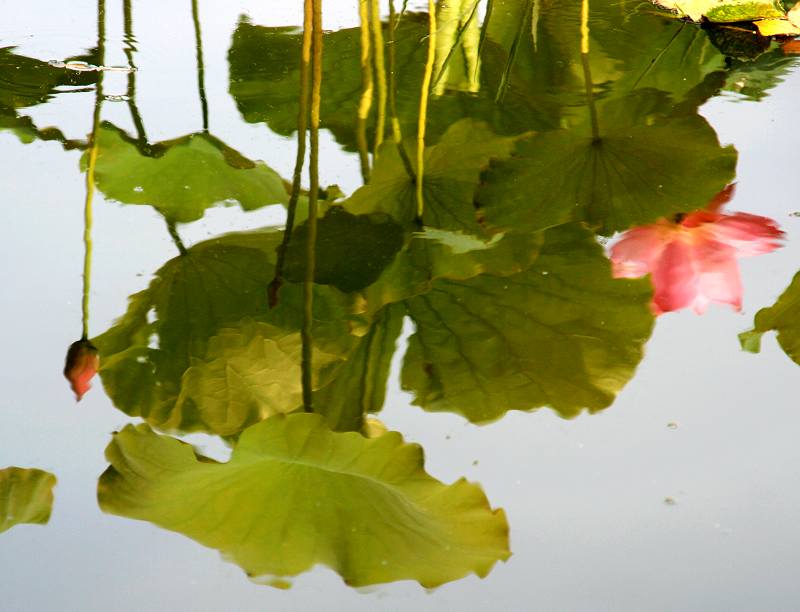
<point x="130" y="49"/>
<point x="512" y="53"/>
<point x="397" y="133"/>
<point x="176" y="237"/>
<point x="587" y="72"/>
<point x="201" y="79"/>
<point x="302" y="128"/>
<point x="88" y="218"/>
<point x="308" y="284"/>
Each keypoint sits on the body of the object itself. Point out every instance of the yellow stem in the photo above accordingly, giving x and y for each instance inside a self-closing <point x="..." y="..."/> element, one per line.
<point x="585" y="27"/>
<point x="367" y="89"/>
<point x="423" y="106"/>
<point x="380" y="71"/>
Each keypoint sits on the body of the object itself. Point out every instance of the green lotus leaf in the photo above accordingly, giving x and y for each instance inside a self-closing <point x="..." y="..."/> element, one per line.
<point x="782" y="317"/>
<point x="351" y="250"/>
<point x="265" y="78"/>
<point x="181" y="178"/>
<point x="26" y="496"/>
<point x="452" y="172"/>
<point x="295" y="494"/>
<point x="432" y="254"/>
<point x="28" y="81"/>
<point x="174" y="357"/>
<point x="562" y="334"/>
<point x="643" y="165"/>
<point x="251" y="371"/>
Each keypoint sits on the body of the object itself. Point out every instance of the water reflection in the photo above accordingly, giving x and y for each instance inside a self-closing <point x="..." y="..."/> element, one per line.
<point x="478" y="223"/>
<point x="692" y="258"/>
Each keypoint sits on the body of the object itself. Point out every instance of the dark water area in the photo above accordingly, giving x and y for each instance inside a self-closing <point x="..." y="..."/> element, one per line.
<point x="531" y="341"/>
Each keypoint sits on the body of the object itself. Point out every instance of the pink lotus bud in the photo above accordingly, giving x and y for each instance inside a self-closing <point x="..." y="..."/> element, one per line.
<point x="81" y="366"/>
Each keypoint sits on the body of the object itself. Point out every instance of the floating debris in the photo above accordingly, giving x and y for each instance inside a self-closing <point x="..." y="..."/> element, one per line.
<point x="672" y="425"/>
<point x="670" y="501"/>
<point x="87" y="67"/>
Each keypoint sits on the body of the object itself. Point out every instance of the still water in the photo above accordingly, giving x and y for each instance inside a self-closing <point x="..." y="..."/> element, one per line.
<point x="556" y="316"/>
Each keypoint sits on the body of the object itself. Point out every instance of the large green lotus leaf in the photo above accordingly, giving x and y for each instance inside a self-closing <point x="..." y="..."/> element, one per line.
<point x="159" y="362"/>
<point x="181" y="178"/>
<point x="725" y="11"/>
<point x="295" y="494"/>
<point x="782" y="317"/>
<point x="452" y="169"/>
<point x="26" y="496"/>
<point x="351" y="250"/>
<point x="644" y="165"/>
<point x="359" y="385"/>
<point x="562" y="334"/>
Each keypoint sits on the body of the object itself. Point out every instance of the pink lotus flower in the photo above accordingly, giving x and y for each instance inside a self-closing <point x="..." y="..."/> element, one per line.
<point x="692" y="258"/>
<point x="81" y="366"/>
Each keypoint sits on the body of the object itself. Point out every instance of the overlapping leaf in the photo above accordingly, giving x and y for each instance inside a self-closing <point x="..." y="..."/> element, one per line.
<point x="174" y="357"/>
<point x="642" y="165"/>
<point x="562" y="334"/>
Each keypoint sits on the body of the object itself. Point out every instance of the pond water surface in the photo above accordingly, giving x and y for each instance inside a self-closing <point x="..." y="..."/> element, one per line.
<point x="642" y="459"/>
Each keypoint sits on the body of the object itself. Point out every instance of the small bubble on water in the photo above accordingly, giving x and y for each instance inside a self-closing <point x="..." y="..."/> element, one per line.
<point x="138" y="189"/>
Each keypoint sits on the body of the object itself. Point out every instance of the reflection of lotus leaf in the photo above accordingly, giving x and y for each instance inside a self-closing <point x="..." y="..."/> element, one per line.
<point x="182" y="177"/>
<point x="782" y="317"/>
<point x="265" y="73"/>
<point x="643" y="166"/>
<point x="187" y="320"/>
<point x="26" y="496"/>
<point x="452" y="170"/>
<point x="26" y="81"/>
<point x="351" y="250"/>
<point x="295" y="494"/>
<point x="562" y="334"/>
<point x="359" y="385"/>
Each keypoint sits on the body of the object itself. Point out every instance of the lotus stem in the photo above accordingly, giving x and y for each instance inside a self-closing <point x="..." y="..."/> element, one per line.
<point x="302" y="128"/>
<point x="367" y="89"/>
<point x="308" y="284"/>
<point x="423" y="107"/>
